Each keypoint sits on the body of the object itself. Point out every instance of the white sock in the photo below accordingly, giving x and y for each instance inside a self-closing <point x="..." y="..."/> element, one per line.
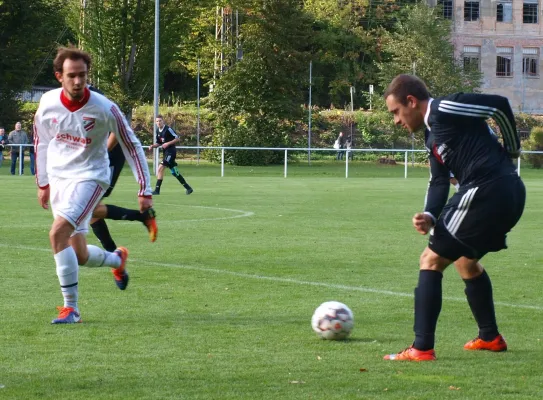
<point x="67" y="272"/>
<point x="102" y="258"/>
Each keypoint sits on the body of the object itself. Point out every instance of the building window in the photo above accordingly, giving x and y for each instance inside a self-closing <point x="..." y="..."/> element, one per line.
<point x="471" y="11"/>
<point x="504" y="61"/>
<point x="447" y="6"/>
<point x="529" y="12"/>
<point x="530" y="61"/>
<point x="504" y="11"/>
<point x="472" y="58"/>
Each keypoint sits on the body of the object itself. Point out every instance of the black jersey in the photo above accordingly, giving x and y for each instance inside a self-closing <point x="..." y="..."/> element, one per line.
<point x="165" y="135"/>
<point x="458" y="140"/>
<point x="459" y="136"/>
<point x="116" y="155"/>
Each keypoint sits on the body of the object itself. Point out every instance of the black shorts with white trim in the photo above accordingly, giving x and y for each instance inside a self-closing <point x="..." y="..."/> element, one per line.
<point x="476" y="219"/>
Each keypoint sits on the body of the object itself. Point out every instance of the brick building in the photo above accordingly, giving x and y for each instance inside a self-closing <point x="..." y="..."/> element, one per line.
<point x="504" y="40"/>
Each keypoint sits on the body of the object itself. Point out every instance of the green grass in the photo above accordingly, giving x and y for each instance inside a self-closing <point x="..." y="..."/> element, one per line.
<point x="220" y="306"/>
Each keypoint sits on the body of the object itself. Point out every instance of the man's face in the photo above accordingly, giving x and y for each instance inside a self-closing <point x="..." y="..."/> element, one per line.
<point x="73" y="78"/>
<point x="18" y="126"/>
<point x="2" y="131"/>
<point x="409" y="116"/>
<point x="159" y="123"/>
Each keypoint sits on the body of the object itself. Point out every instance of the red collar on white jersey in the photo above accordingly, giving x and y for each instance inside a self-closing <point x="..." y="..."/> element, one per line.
<point x="74" y="105"/>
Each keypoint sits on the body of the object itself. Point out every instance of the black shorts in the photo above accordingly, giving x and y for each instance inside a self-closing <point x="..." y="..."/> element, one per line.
<point x="169" y="160"/>
<point x="476" y="219"/>
<point x="115" y="169"/>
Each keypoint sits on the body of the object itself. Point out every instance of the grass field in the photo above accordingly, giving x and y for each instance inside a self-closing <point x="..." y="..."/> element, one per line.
<point x="220" y="306"/>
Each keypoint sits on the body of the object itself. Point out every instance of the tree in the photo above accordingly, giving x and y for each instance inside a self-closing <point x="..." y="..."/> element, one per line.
<point x="421" y="44"/>
<point x="119" y="34"/>
<point x="345" y="46"/>
<point x="25" y="41"/>
<point x="259" y="97"/>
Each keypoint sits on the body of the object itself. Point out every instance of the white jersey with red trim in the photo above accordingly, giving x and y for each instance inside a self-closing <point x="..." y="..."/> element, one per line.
<point x="71" y="140"/>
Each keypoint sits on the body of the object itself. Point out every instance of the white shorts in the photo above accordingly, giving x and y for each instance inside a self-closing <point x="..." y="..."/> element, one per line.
<point x="75" y="201"/>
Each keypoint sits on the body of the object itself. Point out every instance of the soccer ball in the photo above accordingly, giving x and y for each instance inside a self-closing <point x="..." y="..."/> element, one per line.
<point x="332" y="320"/>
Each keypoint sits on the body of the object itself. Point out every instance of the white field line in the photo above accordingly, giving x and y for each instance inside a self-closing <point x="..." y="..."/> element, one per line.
<point x="287" y="280"/>
<point x="240" y="213"/>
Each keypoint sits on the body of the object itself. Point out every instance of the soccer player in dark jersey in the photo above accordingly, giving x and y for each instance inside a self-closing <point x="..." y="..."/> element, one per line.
<point x="107" y="211"/>
<point x="476" y="219"/>
<point x="166" y="139"/>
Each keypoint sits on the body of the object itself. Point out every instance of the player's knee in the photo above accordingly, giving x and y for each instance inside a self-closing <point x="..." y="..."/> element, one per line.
<point x="430" y="260"/>
<point x="174" y="171"/>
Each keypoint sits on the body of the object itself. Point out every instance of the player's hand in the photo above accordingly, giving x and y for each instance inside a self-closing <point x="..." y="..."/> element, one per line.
<point x="422" y="223"/>
<point x="43" y="197"/>
<point x="145" y="203"/>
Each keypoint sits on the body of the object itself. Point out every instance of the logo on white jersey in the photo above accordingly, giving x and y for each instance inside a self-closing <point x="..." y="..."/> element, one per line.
<point x="73" y="140"/>
<point x="88" y="123"/>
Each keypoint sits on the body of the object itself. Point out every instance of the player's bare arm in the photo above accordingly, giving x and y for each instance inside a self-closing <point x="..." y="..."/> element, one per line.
<point x="43" y="197"/>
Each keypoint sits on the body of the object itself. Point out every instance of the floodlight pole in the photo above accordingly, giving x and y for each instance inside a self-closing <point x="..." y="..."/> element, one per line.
<point x="156" y="72"/>
<point x="309" y="123"/>
<point x="352" y="113"/>
<point x="198" y="114"/>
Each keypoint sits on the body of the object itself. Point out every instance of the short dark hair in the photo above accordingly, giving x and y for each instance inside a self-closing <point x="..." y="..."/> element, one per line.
<point x="160" y="116"/>
<point x="72" y="53"/>
<point x="405" y="85"/>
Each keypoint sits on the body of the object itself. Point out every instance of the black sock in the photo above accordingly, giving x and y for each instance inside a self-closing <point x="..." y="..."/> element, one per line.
<point x="101" y="231"/>
<point x="158" y="185"/>
<point x="120" y="213"/>
<point x="181" y="180"/>
<point x="479" y="293"/>
<point x="428" y="299"/>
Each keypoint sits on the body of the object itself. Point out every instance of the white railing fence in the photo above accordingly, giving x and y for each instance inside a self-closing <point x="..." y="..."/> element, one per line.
<point x="286" y="150"/>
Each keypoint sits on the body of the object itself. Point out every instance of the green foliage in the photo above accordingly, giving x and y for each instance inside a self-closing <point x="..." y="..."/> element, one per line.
<point x="120" y="37"/>
<point x="257" y="100"/>
<point x="28" y="30"/>
<point x="421" y="45"/>
<point x="534" y="143"/>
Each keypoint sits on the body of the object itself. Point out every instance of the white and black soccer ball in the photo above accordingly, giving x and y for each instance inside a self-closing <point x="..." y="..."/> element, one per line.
<point x="333" y="320"/>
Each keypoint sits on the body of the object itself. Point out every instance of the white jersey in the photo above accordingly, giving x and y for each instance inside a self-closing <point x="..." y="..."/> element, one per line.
<point x="71" y="140"/>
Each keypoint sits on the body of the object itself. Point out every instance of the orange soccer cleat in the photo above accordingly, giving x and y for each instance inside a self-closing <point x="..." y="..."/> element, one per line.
<point x="150" y="224"/>
<point x="412" y="354"/>
<point x="119" y="274"/>
<point x="497" y="344"/>
<point x="67" y="315"/>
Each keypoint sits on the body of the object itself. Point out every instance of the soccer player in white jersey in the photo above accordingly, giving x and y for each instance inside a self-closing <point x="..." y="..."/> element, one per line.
<point x="72" y="125"/>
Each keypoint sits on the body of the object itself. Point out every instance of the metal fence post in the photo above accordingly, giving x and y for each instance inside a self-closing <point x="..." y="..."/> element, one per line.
<point x="286" y="156"/>
<point x="347" y="165"/>
<point x="405" y="172"/>
<point x="21" y="160"/>
<point x="518" y="166"/>
<point x="222" y="162"/>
